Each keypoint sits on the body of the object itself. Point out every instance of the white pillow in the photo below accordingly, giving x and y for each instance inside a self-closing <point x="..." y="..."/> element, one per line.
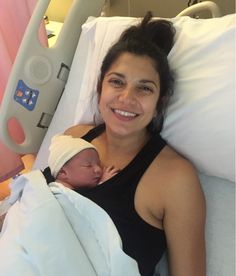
<point x="200" y="119"/>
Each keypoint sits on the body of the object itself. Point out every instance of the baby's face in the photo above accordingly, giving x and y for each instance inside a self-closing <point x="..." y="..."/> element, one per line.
<point x="84" y="169"/>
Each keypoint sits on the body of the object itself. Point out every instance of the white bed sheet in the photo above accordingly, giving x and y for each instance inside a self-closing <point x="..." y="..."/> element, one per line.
<point x="52" y="230"/>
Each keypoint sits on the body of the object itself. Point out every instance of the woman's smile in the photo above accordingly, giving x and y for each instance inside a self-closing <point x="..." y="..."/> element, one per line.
<point x="124" y="115"/>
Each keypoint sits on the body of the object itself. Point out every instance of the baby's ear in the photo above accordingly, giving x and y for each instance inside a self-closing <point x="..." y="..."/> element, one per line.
<point x="62" y="175"/>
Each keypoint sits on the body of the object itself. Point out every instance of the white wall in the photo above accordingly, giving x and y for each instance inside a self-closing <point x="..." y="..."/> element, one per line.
<point x="58" y="9"/>
<point x="162" y="8"/>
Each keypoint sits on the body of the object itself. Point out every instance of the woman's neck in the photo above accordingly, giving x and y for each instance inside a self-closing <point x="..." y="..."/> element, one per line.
<point x="120" y="150"/>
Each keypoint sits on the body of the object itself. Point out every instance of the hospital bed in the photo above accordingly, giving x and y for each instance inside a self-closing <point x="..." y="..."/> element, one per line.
<point x="199" y="122"/>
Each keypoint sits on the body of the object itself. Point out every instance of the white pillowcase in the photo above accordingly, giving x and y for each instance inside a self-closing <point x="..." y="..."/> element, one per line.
<point x="200" y="119"/>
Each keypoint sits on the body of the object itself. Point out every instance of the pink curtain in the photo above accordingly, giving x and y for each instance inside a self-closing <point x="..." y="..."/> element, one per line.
<point x="14" y="17"/>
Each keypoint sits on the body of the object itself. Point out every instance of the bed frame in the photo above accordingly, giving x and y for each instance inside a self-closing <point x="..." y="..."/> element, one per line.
<point x="39" y="75"/>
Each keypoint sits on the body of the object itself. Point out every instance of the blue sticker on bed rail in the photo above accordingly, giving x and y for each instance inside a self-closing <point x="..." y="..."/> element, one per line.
<point x="25" y="95"/>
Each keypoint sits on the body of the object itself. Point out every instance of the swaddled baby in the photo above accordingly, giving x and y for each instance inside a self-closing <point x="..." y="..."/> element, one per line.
<point x="75" y="163"/>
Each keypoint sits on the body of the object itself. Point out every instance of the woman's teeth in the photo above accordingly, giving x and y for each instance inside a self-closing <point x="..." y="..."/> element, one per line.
<point x="125" y="113"/>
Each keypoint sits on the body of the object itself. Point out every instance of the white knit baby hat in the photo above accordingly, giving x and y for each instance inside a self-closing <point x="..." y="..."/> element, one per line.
<point x="62" y="149"/>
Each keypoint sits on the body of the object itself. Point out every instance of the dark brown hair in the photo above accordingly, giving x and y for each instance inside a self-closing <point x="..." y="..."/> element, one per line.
<point x="152" y="38"/>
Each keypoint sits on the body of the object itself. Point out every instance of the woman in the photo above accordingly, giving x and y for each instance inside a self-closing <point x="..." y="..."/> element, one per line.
<point x="155" y="200"/>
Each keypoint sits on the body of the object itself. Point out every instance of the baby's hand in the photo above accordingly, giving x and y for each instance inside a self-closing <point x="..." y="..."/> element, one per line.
<point x="108" y="173"/>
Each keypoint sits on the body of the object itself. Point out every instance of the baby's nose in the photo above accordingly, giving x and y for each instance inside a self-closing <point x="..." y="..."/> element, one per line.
<point x="97" y="170"/>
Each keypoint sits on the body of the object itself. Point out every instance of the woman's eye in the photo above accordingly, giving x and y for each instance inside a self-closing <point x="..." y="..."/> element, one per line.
<point x="116" y="82"/>
<point x="146" y="89"/>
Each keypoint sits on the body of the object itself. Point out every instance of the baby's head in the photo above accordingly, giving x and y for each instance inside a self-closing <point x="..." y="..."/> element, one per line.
<point x="74" y="162"/>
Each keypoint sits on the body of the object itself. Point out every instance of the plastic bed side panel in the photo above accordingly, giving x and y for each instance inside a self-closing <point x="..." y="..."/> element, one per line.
<point x="39" y="75"/>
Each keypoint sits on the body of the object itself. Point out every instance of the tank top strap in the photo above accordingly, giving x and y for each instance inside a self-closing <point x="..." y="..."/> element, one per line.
<point x="94" y="132"/>
<point x="136" y="168"/>
<point x="151" y="150"/>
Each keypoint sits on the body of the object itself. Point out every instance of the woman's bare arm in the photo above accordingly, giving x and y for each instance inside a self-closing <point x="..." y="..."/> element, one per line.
<point x="184" y="222"/>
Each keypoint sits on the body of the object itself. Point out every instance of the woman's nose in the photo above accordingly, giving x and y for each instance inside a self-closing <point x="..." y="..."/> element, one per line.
<point x="127" y="95"/>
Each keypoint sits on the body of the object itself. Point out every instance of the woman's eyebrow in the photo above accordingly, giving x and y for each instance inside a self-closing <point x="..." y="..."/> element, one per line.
<point x="117" y="74"/>
<point x="141" y="81"/>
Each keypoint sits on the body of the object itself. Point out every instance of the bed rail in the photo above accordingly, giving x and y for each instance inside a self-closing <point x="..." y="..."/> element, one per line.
<point x="199" y="7"/>
<point x="39" y="75"/>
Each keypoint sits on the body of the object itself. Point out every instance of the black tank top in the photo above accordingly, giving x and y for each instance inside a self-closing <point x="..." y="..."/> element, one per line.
<point x="143" y="242"/>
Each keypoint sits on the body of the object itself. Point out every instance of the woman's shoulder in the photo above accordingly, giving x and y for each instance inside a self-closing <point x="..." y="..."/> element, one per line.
<point x="175" y="161"/>
<point x="169" y="181"/>
<point x="175" y="169"/>
<point x="173" y="179"/>
<point x="78" y="130"/>
<point x="181" y="179"/>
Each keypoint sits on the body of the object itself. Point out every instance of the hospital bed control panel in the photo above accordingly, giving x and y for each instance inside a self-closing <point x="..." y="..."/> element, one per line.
<point x="26" y="96"/>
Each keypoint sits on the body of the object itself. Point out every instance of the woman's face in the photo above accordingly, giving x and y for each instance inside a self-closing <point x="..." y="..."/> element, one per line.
<point x="130" y="91"/>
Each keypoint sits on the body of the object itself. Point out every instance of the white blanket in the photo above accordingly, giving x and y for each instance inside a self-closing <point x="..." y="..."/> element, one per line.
<point x="51" y="231"/>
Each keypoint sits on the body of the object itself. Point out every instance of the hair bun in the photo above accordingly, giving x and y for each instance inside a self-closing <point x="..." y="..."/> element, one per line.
<point x="159" y="32"/>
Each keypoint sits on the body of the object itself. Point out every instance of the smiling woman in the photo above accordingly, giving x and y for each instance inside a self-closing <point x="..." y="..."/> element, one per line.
<point x="150" y="43"/>
<point x="155" y="200"/>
